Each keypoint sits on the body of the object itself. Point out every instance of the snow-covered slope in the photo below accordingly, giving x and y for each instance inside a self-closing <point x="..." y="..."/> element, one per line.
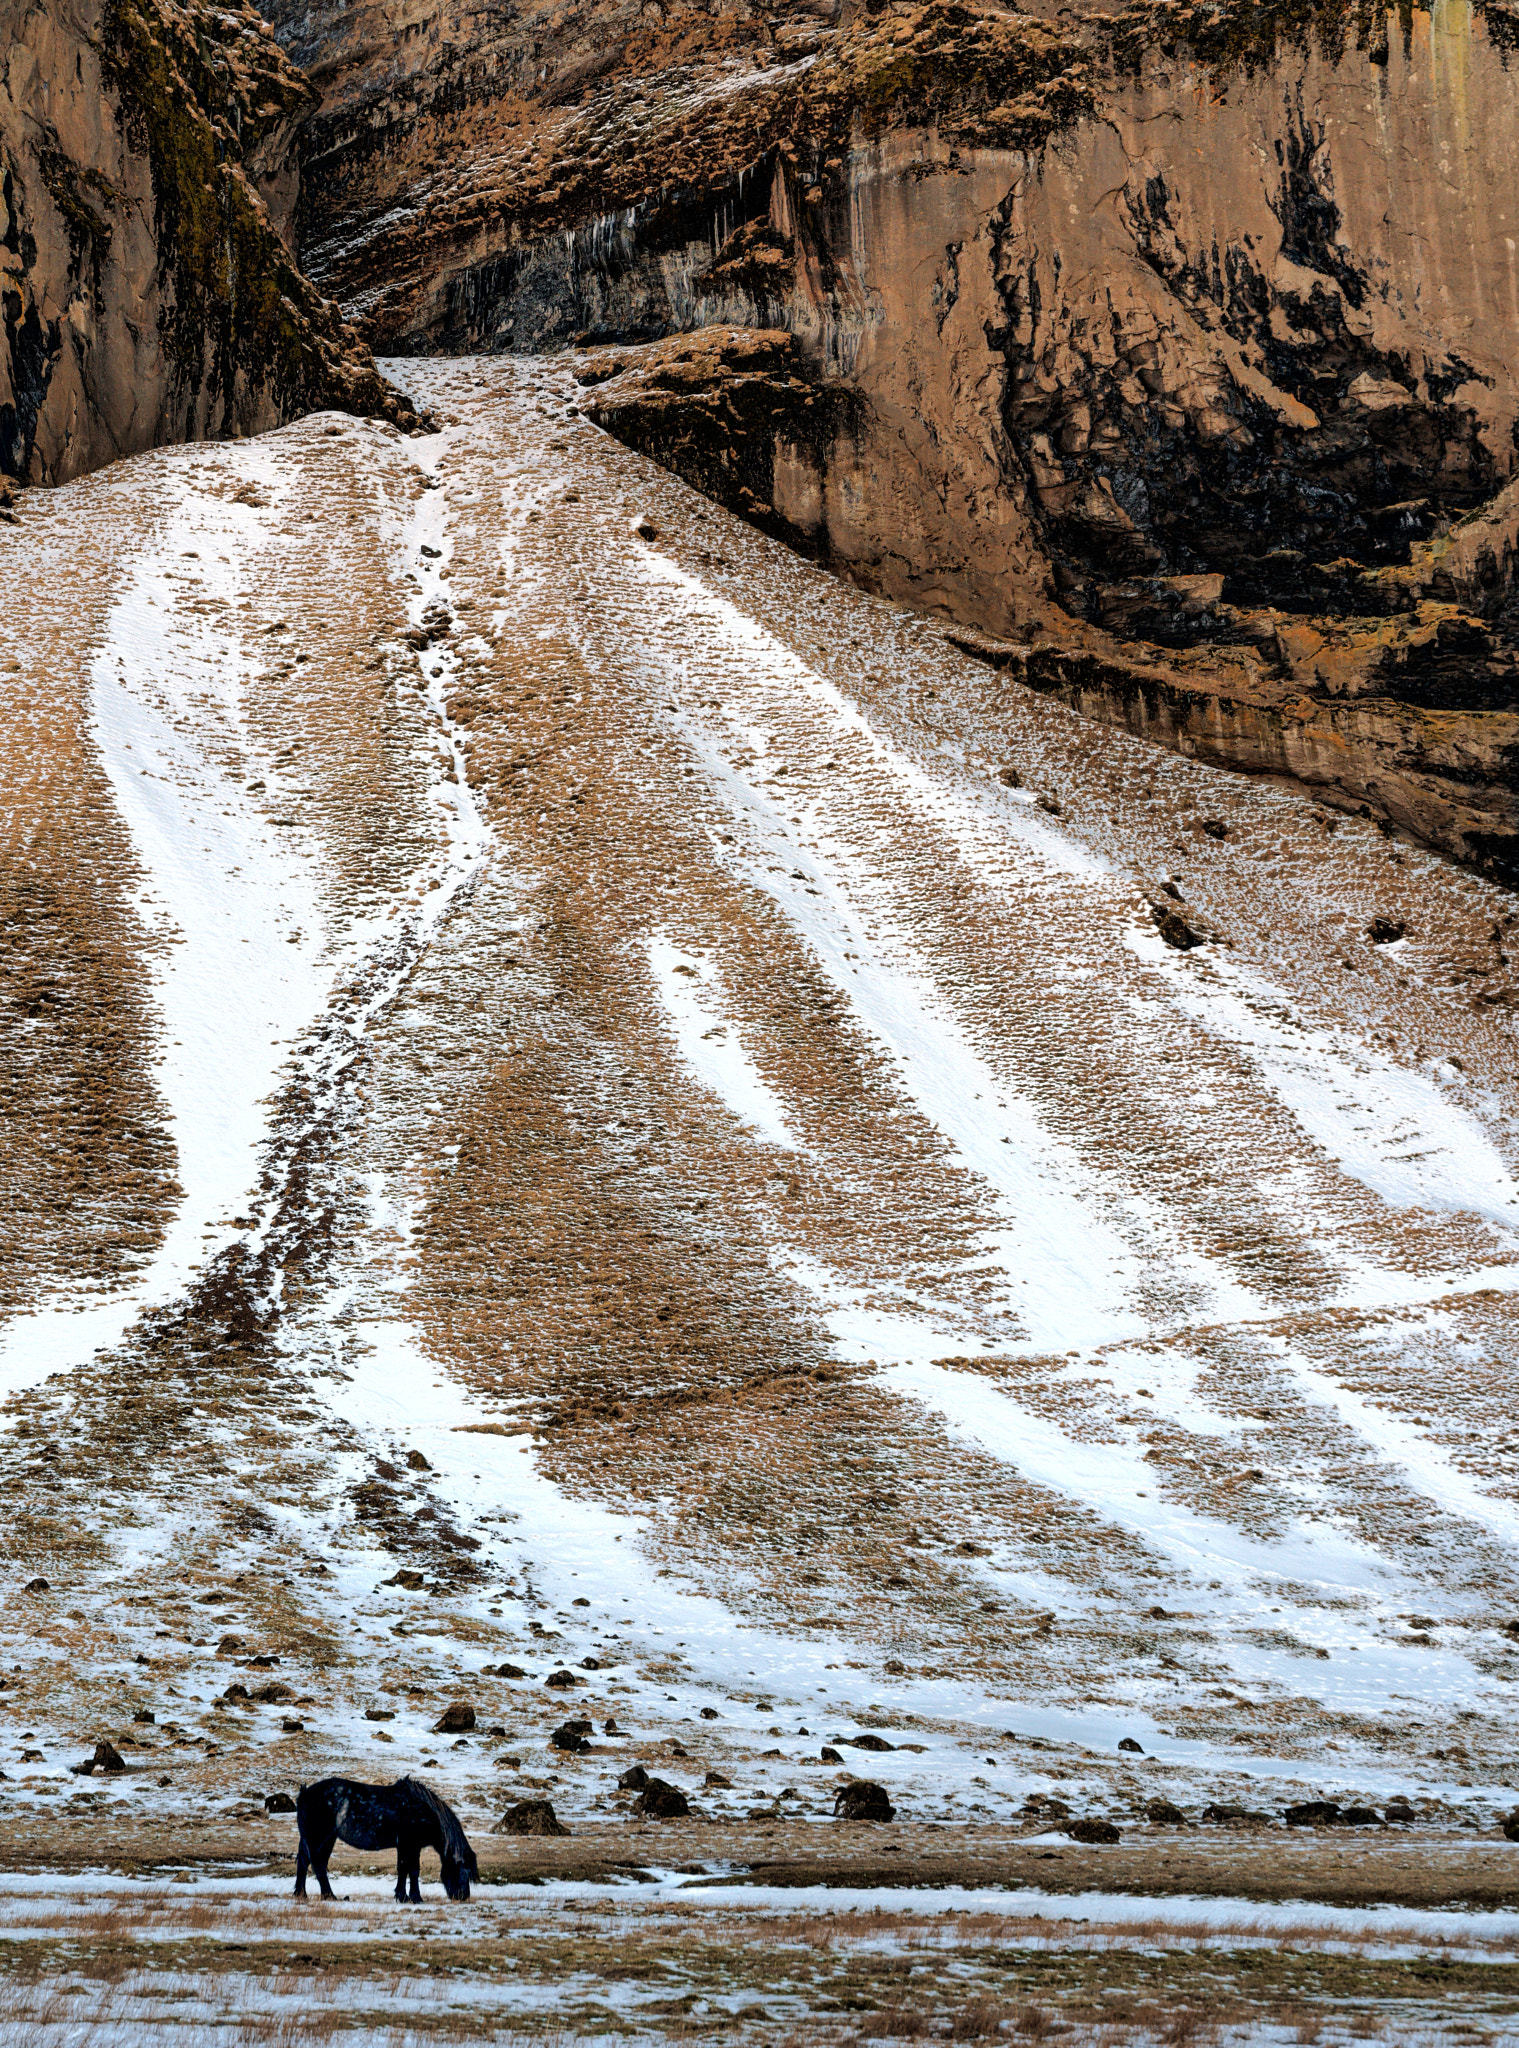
<point x="634" y="1084"/>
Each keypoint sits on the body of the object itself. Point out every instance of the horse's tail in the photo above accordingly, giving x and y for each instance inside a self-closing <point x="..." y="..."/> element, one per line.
<point x="454" y="1842"/>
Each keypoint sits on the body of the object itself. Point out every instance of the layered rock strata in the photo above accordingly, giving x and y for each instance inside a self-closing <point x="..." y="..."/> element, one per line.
<point x="1165" y="349"/>
<point x="148" y="288"/>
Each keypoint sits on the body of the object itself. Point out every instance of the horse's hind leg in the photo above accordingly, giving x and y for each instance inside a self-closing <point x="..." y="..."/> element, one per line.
<point x="402" y="1856"/>
<point x="319" y="1856"/>
<point x="302" y="1865"/>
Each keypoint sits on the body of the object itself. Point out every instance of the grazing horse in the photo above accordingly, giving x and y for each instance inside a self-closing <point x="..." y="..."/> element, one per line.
<point x="405" y="1816"/>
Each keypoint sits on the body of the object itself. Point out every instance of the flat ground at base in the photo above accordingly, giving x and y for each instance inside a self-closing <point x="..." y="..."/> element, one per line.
<point x="1349" y="1867"/>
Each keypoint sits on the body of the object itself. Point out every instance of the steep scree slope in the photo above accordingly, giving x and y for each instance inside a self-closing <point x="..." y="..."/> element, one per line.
<point x="148" y="175"/>
<point x="661" y="1114"/>
<point x="1166" y="348"/>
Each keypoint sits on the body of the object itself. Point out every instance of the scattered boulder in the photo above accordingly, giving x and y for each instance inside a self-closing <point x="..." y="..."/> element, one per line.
<point x="408" y="1581"/>
<point x="563" y="1679"/>
<point x="1129" y="1744"/>
<point x="415" y="1462"/>
<point x="1215" y="828"/>
<point x="379" y="1714"/>
<point x="633" y="1779"/>
<point x="144" y="1718"/>
<point x="1172" y="926"/>
<point x="895" y="1666"/>
<point x="530" y="1817"/>
<point x="829" y="1754"/>
<point x="1225" y="1815"/>
<point x="36" y="1586"/>
<point x="1165" y="1814"/>
<point x="106" y="1758"/>
<point x="876" y="1744"/>
<point x="1510" y="1825"/>
<point x="715" y="1779"/>
<point x="1010" y="778"/>
<point x="505" y="1671"/>
<point x="710" y="1714"/>
<point x="1094" y="1831"/>
<point x="1312" y="1813"/>
<point x="1402" y="1814"/>
<point x="1051" y="803"/>
<point x="862" y="1799"/>
<point x="1360" y="1817"/>
<point x="230" y="1645"/>
<point x="643" y="528"/>
<point x="273" y="1694"/>
<point x="1386" y="931"/>
<point x="457" y="1718"/>
<point x="590" y="1663"/>
<point x="571" y="1736"/>
<point x="278" y="1802"/>
<point x="235" y="1692"/>
<point x="659" y="1801"/>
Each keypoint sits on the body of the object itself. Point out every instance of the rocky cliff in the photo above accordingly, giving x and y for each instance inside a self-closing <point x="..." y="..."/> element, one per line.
<point x="148" y="289"/>
<point x="1165" y="350"/>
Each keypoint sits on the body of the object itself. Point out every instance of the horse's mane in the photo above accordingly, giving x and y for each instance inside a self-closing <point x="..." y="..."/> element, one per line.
<point x="455" y="1842"/>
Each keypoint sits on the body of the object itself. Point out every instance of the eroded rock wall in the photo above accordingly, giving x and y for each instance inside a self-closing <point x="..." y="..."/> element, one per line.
<point x="148" y="286"/>
<point x="1178" y="339"/>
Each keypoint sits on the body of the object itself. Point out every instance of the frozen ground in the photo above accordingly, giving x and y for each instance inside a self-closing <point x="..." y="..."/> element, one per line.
<point x="635" y="1086"/>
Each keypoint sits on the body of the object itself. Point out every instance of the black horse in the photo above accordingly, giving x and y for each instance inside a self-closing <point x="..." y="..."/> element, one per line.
<point x="404" y="1816"/>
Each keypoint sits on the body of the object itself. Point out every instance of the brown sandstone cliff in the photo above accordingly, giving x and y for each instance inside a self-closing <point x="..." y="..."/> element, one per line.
<point x="1163" y="348"/>
<point x="148" y="289"/>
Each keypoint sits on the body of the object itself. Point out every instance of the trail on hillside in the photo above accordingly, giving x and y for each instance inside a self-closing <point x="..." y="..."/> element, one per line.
<point x="631" y="1084"/>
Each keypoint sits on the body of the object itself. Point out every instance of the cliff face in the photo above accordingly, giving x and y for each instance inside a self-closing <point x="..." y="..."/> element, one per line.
<point x="1164" y="350"/>
<point x="148" y="287"/>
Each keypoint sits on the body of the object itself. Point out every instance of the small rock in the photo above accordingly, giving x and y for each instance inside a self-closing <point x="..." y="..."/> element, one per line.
<point x="235" y="1692"/>
<point x="570" y="1736"/>
<point x="829" y="1754"/>
<point x="1360" y="1817"/>
<point x="530" y="1817"/>
<point x="633" y="1779"/>
<point x="716" y="1778"/>
<point x="1010" y="778"/>
<point x="1164" y="1814"/>
<point x="1215" y="828"/>
<point x="1510" y="1825"/>
<point x="415" y="1462"/>
<point x="1386" y="931"/>
<point x="506" y="1671"/>
<point x="1129" y="1744"/>
<point x="230" y="1645"/>
<point x="590" y="1663"/>
<point x="145" y="1718"/>
<point x="36" y="1586"/>
<point x="457" y="1718"/>
<point x="274" y="1802"/>
<point x="1092" y="1831"/>
<point x="710" y="1714"/>
<point x="643" y="528"/>
<point x="861" y="1799"/>
<point x="379" y="1714"/>
<point x="106" y="1758"/>
<point x="1051" y="803"/>
<point x="661" y="1801"/>
<point x="291" y="1726"/>
<point x="1222" y="1814"/>
<point x="274" y="1694"/>
<point x="1173" y="927"/>
<point x="609" y="1726"/>
<point x="562" y="1679"/>
<point x="895" y="1666"/>
<point x="1312" y="1813"/>
<point x="580" y="1601"/>
<point x="408" y="1581"/>
<point x="383" y="1735"/>
<point x="876" y="1744"/>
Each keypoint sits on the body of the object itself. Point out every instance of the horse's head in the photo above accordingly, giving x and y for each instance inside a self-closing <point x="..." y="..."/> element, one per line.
<point x="456" y="1875"/>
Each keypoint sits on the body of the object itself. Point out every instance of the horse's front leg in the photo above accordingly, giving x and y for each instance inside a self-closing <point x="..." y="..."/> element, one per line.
<point x="302" y="1865"/>
<point x="401" y="1873"/>
<point x="416" y="1875"/>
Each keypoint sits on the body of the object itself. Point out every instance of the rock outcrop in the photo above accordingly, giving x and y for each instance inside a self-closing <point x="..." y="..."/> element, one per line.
<point x="1169" y="352"/>
<point x="148" y="287"/>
